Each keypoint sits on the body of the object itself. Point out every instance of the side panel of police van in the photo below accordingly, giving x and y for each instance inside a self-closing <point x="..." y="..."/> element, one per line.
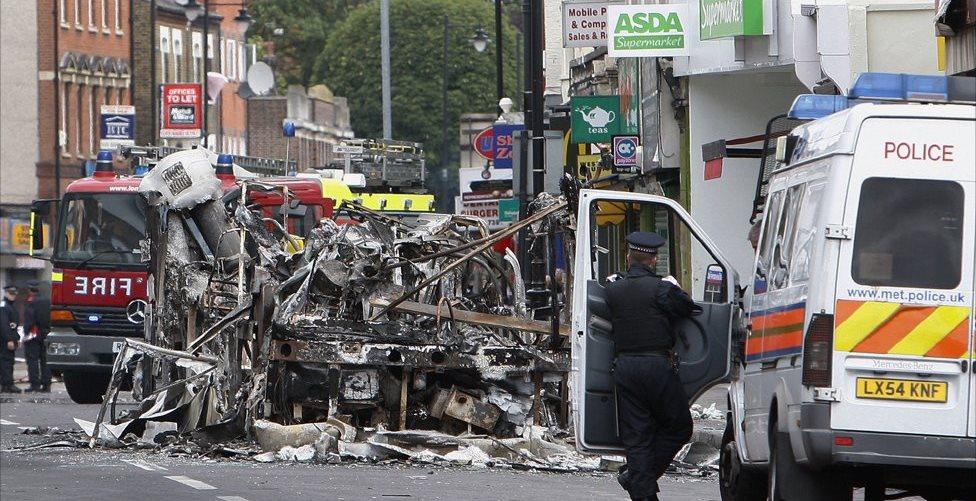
<point x="903" y="316"/>
<point x="789" y="255"/>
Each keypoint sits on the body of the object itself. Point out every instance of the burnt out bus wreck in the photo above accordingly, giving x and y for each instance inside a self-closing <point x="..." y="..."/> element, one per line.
<point x="380" y="322"/>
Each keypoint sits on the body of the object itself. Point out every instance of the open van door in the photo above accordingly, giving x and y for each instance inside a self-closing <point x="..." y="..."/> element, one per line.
<point x="704" y="342"/>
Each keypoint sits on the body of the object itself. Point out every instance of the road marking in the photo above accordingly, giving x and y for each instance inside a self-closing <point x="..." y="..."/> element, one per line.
<point x="231" y="498"/>
<point x="138" y="463"/>
<point x="189" y="482"/>
<point x="11" y="423"/>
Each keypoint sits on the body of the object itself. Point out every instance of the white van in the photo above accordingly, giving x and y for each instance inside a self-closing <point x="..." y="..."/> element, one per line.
<point x="856" y="364"/>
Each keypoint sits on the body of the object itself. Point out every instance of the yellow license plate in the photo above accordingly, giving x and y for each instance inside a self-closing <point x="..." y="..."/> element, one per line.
<point x="902" y="389"/>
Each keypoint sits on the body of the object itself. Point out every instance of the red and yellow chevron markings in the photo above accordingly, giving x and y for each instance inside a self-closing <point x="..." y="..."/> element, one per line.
<point x="902" y="329"/>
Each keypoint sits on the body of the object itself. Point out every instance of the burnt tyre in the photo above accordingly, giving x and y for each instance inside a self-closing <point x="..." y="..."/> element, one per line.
<point x="738" y="482"/>
<point x="86" y="387"/>
<point x="788" y="480"/>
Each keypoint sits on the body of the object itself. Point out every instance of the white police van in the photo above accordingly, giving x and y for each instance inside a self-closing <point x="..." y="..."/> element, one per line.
<point x="856" y="366"/>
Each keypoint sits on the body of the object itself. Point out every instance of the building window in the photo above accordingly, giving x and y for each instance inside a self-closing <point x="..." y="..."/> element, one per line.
<point x="77" y="118"/>
<point x="118" y="17"/>
<point x="62" y="14"/>
<point x="197" y="51"/>
<point x="104" y="16"/>
<point x="77" y="5"/>
<point x="91" y="17"/>
<point x="91" y="120"/>
<point x="63" y="106"/>
<point x="163" y="54"/>
<point x="177" y="55"/>
<point x="231" y="60"/>
<point x="242" y="62"/>
<point x="210" y="46"/>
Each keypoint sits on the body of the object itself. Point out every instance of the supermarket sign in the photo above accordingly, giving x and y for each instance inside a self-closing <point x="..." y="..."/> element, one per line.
<point x="648" y="30"/>
<point x="729" y="18"/>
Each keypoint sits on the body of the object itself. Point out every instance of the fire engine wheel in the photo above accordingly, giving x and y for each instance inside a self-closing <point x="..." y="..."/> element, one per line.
<point x="86" y="387"/>
<point x="737" y="482"/>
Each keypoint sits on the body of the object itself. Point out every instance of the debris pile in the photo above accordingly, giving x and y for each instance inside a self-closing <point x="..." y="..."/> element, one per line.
<point x="380" y="323"/>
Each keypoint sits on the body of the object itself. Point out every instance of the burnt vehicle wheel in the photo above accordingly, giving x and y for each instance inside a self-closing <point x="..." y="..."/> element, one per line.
<point x="738" y="482"/>
<point x="86" y="387"/>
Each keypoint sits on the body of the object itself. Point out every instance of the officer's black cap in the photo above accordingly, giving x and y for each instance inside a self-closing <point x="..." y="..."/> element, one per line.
<point x="33" y="285"/>
<point x="10" y="288"/>
<point x="645" y="241"/>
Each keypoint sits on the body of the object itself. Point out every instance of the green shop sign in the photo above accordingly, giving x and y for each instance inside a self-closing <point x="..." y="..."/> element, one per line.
<point x="508" y="209"/>
<point x="729" y="18"/>
<point x="595" y="118"/>
<point x="647" y="30"/>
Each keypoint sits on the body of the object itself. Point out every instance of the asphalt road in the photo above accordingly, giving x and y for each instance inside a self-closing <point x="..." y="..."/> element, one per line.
<point x="110" y="475"/>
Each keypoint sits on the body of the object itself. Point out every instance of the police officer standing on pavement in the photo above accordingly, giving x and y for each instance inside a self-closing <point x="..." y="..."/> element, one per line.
<point x="37" y="325"/>
<point x="652" y="408"/>
<point x="8" y="339"/>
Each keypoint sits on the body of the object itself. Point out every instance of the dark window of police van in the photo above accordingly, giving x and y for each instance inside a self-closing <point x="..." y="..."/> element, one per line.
<point x="909" y="233"/>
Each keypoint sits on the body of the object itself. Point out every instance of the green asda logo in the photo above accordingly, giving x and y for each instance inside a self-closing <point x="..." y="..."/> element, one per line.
<point x="648" y="30"/>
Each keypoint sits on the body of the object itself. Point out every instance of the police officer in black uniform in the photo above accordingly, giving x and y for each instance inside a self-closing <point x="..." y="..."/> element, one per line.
<point x="8" y="339"/>
<point x="37" y="325"/>
<point x="652" y="408"/>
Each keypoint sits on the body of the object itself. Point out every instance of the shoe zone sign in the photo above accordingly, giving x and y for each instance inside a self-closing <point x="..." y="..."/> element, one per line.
<point x="648" y="30"/>
<point x="595" y="119"/>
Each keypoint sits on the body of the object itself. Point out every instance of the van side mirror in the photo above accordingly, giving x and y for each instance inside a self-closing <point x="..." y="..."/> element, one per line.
<point x="715" y="281"/>
<point x="39" y="214"/>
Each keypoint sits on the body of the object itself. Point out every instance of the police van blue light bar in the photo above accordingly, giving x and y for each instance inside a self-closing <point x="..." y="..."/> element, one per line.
<point x="919" y="88"/>
<point x="814" y="106"/>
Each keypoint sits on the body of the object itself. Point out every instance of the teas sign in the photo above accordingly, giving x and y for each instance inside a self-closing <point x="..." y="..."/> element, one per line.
<point x="585" y="24"/>
<point x="182" y="111"/>
<point x="502" y="144"/>
<point x="648" y="30"/>
<point x="595" y="118"/>
<point x="729" y="18"/>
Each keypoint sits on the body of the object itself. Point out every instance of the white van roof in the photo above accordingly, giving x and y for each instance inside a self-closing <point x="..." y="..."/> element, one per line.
<point x="837" y="133"/>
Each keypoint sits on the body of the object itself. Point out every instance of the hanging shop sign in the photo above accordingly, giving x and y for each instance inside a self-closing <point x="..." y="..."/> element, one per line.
<point x="117" y="126"/>
<point x="481" y="191"/>
<point x="595" y="118"/>
<point x="625" y="151"/>
<point x="652" y="30"/>
<point x="483" y="144"/>
<point x="182" y="111"/>
<point x="502" y="144"/>
<point x="585" y="23"/>
<point x="729" y="18"/>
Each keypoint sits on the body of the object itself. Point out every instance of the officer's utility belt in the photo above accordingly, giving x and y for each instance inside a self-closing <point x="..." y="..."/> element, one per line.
<point x="668" y="355"/>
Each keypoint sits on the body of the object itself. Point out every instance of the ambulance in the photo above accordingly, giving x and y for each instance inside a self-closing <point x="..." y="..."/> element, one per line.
<point x="854" y="366"/>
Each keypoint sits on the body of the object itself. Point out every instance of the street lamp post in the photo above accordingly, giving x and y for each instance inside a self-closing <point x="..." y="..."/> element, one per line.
<point x="480" y="42"/>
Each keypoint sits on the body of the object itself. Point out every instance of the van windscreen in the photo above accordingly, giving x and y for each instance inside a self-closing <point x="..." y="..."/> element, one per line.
<point x="909" y="233"/>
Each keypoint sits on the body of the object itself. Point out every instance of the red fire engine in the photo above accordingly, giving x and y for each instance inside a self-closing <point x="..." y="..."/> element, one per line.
<point x="98" y="280"/>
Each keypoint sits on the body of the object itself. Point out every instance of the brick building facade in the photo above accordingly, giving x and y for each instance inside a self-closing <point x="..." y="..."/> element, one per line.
<point x="321" y="120"/>
<point x="83" y="62"/>
<point x="172" y="51"/>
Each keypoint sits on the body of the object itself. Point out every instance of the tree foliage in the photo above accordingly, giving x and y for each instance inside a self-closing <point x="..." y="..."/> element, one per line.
<point x="350" y="65"/>
<point x="305" y="25"/>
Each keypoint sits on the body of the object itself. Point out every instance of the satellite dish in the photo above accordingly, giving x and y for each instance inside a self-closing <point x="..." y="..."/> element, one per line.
<point x="260" y="78"/>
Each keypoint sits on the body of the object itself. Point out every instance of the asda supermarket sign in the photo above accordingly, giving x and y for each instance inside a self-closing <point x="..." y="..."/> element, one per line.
<point x="648" y="30"/>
